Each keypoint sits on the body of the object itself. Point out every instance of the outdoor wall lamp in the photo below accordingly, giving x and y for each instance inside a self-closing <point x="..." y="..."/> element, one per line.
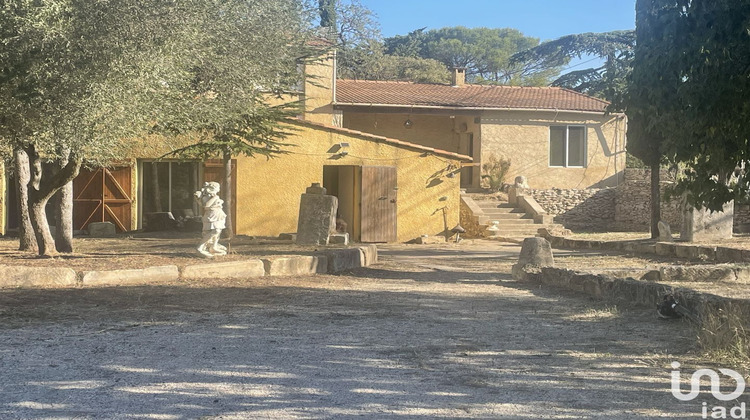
<point x="408" y="123"/>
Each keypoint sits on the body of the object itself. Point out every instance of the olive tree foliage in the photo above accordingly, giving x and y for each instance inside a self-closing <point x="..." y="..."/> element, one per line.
<point x="78" y="78"/>
<point x="484" y="52"/>
<point x="66" y="92"/>
<point x="607" y="81"/>
<point x="242" y="64"/>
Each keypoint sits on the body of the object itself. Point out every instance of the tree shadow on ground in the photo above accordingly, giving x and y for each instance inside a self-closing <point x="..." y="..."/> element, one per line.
<point x="328" y="349"/>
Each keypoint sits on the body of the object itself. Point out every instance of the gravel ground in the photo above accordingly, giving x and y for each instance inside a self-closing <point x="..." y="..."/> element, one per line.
<point x="430" y="332"/>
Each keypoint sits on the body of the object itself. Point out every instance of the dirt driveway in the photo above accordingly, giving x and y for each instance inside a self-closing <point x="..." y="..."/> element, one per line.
<point x="427" y="333"/>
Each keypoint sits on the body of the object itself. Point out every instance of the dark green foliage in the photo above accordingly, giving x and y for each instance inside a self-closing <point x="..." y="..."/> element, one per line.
<point x="607" y="81"/>
<point x="689" y="89"/>
<point x="484" y="52"/>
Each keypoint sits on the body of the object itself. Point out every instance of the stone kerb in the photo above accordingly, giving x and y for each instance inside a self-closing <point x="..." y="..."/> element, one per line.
<point x="295" y="265"/>
<point x="19" y="276"/>
<point x="224" y="270"/>
<point x="331" y="261"/>
<point x="142" y="276"/>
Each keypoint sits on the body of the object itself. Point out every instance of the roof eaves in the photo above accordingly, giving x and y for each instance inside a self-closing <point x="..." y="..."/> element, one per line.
<point x="459" y="107"/>
<point x="388" y="140"/>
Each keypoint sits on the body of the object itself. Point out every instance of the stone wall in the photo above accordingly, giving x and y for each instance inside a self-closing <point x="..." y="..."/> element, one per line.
<point x="579" y="209"/>
<point x="741" y="218"/>
<point x="624" y="208"/>
<point x="633" y="202"/>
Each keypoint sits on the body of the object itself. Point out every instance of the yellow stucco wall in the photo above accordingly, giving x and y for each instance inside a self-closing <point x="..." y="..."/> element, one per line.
<point x="319" y="88"/>
<point x="268" y="191"/>
<point x="436" y="131"/>
<point x="523" y="137"/>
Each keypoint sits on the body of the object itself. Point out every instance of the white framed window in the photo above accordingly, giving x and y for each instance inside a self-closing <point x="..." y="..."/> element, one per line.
<point x="567" y="146"/>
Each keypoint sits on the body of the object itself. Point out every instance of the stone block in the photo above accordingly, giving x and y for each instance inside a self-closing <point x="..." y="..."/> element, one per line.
<point x="317" y="219"/>
<point x="703" y="253"/>
<point x="683" y="251"/>
<point x="698" y="273"/>
<point x="370" y="253"/>
<point x="725" y="254"/>
<point x="665" y="249"/>
<point x="288" y="237"/>
<point x="22" y="276"/>
<point x="101" y="229"/>
<point x="345" y="259"/>
<point x="429" y="240"/>
<point x="296" y="265"/>
<point x="535" y="252"/>
<point x="338" y="239"/>
<point x="704" y="225"/>
<point x="665" y="233"/>
<point x="646" y="248"/>
<point x="224" y="270"/>
<point x="144" y="276"/>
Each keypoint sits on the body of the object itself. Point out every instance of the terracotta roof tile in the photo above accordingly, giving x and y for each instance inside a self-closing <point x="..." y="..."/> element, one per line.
<point x="387" y="140"/>
<point x="367" y="92"/>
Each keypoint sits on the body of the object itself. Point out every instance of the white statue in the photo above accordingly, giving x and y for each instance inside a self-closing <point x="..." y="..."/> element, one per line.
<point x="214" y="219"/>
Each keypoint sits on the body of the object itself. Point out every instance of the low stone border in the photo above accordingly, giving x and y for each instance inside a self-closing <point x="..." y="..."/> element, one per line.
<point x="683" y="273"/>
<point x="640" y="293"/>
<point x="330" y="261"/>
<point x="668" y="249"/>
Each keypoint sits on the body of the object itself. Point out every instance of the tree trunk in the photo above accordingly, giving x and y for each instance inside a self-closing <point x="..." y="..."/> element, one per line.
<point x="63" y="202"/>
<point x="63" y="205"/>
<point x="41" y="189"/>
<point x="655" y="199"/>
<point x="22" y="179"/>
<point x="228" y="199"/>
<point x="41" y="227"/>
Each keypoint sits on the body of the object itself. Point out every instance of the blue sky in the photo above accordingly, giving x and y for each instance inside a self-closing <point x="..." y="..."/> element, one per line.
<point x="543" y="19"/>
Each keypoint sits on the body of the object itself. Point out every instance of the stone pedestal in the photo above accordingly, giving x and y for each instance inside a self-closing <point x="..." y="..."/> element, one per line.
<point x="703" y="225"/>
<point x="535" y="252"/>
<point x="317" y="216"/>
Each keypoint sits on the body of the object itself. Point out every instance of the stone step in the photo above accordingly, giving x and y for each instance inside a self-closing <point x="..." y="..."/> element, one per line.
<point x="512" y="222"/>
<point x="511" y="216"/>
<point x="494" y="205"/>
<point x="501" y="210"/>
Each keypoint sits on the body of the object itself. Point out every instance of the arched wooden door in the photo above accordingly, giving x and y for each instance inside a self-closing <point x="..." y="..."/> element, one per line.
<point x="103" y="195"/>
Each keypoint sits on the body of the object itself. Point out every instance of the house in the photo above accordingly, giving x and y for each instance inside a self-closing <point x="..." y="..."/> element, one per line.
<point x="557" y="138"/>
<point x="394" y="153"/>
<point x="388" y="189"/>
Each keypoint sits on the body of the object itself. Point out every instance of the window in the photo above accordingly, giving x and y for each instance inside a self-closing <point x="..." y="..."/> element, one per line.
<point x="567" y="146"/>
<point x="169" y="186"/>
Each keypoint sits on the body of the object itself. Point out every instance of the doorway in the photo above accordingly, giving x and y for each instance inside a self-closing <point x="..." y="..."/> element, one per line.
<point x="367" y="200"/>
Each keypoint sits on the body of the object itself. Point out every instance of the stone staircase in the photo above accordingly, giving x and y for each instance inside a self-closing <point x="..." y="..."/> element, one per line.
<point x="513" y="222"/>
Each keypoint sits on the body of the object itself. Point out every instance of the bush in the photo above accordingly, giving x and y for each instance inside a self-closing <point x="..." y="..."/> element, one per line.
<point x="494" y="171"/>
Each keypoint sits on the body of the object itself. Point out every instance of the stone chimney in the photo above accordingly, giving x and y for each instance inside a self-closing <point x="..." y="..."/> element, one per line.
<point x="459" y="76"/>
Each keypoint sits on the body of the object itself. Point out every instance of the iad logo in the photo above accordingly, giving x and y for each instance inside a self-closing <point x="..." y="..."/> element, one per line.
<point x="717" y="412"/>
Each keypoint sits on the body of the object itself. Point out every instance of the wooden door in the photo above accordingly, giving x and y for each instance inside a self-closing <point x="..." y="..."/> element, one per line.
<point x="379" y="197"/>
<point x="103" y="195"/>
<point x="213" y="171"/>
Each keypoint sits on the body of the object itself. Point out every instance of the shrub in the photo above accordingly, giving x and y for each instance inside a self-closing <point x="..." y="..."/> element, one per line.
<point x="494" y="170"/>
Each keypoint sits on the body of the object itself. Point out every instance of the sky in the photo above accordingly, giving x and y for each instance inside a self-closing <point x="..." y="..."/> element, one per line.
<point x="543" y="19"/>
